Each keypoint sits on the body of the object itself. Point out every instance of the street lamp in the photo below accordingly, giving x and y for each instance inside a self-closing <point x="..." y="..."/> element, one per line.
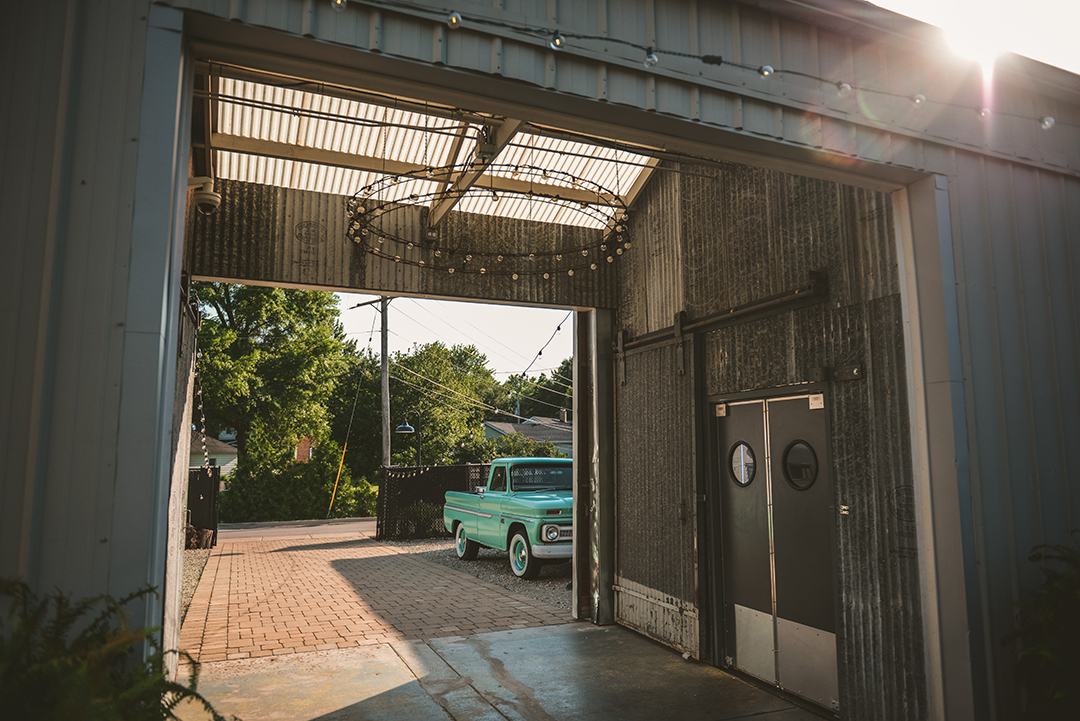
<point x="406" y="428"/>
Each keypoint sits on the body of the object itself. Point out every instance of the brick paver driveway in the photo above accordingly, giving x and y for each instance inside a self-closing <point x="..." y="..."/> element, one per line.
<point x="285" y="596"/>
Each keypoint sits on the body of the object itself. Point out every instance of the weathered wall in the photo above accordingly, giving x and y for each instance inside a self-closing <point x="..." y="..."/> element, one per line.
<point x="183" y="405"/>
<point x="263" y="234"/>
<point x="718" y="239"/>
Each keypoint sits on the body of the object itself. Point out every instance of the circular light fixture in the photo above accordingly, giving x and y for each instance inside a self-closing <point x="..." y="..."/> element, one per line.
<point x="765" y="71"/>
<point x="453" y="20"/>
<point x="339" y="5"/>
<point x="557" y="41"/>
<point x="843" y="89"/>
<point x="918" y="99"/>
<point x="650" y="58"/>
<point x="1047" y="123"/>
<point x="984" y="113"/>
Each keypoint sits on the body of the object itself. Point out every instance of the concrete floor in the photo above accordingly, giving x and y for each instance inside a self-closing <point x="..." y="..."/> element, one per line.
<point x="318" y="621"/>
<point x="574" y="672"/>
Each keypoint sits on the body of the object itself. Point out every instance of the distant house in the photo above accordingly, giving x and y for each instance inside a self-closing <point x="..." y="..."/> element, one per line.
<point x="218" y="453"/>
<point x="305" y="449"/>
<point x="538" y="428"/>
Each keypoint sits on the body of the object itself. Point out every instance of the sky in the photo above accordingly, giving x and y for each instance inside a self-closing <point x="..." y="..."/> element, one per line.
<point x="511" y="337"/>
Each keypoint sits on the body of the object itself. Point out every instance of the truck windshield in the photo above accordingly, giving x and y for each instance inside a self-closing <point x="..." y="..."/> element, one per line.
<point x="541" y="478"/>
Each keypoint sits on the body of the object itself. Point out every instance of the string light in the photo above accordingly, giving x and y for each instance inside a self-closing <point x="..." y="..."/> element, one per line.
<point x="454" y="20"/>
<point x="984" y="113"/>
<point x="338" y="5"/>
<point x="1047" y="123"/>
<point x="557" y="40"/>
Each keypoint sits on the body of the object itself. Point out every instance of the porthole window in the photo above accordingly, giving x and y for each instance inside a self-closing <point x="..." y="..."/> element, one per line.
<point x="743" y="464"/>
<point x="800" y="465"/>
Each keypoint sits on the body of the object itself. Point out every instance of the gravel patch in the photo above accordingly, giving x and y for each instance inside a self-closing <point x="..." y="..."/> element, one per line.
<point x="194" y="563"/>
<point x="493" y="566"/>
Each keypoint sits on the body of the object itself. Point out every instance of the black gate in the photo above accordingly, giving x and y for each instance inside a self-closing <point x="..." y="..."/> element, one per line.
<point x="202" y="503"/>
<point x="411" y="499"/>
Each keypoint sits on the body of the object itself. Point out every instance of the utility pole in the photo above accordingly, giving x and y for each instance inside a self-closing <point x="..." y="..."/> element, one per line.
<point x="384" y="304"/>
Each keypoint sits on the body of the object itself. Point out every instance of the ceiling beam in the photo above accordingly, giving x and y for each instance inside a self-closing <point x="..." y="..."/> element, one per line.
<point x="498" y="139"/>
<point x="287" y="151"/>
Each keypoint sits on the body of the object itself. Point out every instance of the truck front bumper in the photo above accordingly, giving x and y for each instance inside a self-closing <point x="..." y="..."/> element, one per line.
<point x="549" y="552"/>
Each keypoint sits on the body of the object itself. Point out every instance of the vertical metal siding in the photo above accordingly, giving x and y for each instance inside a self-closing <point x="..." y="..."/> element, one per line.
<point x="1014" y="232"/>
<point x="77" y="70"/>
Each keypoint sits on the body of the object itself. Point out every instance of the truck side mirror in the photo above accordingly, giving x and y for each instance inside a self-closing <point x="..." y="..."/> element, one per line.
<point x="481" y="489"/>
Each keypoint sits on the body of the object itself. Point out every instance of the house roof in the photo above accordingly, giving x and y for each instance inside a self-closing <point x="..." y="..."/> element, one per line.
<point x="537" y="429"/>
<point x="213" y="446"/>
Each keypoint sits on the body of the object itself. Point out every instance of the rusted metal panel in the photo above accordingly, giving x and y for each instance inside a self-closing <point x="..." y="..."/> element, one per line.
<point x="271" y="235"/>
<point x="664" y="617"/>
<point x="745" y="234"/>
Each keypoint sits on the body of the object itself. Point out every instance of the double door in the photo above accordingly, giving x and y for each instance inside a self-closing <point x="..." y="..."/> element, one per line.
<point x="777" y="555"/>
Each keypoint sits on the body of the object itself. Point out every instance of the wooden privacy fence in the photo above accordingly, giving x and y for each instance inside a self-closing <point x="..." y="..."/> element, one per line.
<point x="202" y="506"/>
<point x="411" y="498"/>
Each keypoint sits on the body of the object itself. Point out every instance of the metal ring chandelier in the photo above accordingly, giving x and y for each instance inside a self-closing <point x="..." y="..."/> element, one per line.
<point x="366" y="208"/>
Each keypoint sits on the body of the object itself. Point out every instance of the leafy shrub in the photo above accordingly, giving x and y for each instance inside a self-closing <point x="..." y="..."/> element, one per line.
<point x="58" y="662"/>
<point x="287" y="490"/>
<point x="1048" y="666"/>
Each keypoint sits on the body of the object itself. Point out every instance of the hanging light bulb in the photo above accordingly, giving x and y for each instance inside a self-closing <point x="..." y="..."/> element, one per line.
<point x="338" y="5"/>
<point x="843" y="89"/>
<point x="453" y="20"/>
<point x="918" y="99"/>
<point x="494" y="197"/>
<point x="514" y="276"/>
<point x="570" y="272"/>
<point x="765" y="71"/>
<point x="557" y="41"/>
<point x="1047" y="123"/>
<point x="984" y="113"/>
<point x="650" y="58"/>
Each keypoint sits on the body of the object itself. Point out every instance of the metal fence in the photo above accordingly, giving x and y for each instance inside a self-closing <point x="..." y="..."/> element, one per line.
<point x="411" y="499"/>
<point x="202" y="502"/>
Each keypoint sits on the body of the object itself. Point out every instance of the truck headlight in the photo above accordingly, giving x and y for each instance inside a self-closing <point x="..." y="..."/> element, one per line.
<point x="550" y="533"/>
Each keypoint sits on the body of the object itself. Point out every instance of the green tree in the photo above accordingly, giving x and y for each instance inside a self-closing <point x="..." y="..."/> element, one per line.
<point x="545" y="395"/>
<point x="268" y="363"/>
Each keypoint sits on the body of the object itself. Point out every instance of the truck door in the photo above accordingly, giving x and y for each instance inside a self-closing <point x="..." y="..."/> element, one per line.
<point x="778" y="547"/>
<point x="492" y="532"/>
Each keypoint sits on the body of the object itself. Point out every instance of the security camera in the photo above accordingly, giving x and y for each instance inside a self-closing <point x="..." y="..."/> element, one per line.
<point x="206" y="200"/>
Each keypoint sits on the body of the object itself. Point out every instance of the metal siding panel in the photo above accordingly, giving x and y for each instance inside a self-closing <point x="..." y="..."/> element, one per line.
<point x="32" y="47"/>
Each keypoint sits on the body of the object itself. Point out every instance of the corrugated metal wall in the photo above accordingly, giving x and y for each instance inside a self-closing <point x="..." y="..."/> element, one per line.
<point x="745" y="234"/>
<point x="263" y="234"/>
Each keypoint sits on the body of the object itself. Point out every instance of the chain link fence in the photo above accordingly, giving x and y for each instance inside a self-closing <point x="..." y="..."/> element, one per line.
<point x="411" y="499"/>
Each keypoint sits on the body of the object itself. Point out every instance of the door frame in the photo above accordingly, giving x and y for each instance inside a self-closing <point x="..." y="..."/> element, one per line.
<point x="712" y="551"/>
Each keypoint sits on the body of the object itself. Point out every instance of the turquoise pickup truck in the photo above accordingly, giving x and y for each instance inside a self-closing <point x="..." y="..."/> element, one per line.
<point x="525" y="508"/>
